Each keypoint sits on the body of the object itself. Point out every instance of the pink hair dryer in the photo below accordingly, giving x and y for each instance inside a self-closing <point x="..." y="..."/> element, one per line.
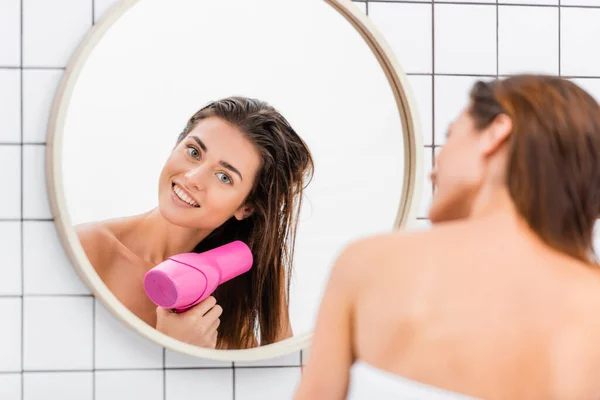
<point x="182" y="281"/>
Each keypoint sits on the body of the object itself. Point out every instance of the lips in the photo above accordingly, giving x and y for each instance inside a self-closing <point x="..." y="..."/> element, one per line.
<point x="181" y="193"/>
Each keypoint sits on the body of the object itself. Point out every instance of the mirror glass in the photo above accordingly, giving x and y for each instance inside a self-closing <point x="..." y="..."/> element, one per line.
<point x="191" y="125"/>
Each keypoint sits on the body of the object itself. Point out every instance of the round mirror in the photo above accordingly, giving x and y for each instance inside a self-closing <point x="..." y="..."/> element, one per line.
<point x="212" y="158"/>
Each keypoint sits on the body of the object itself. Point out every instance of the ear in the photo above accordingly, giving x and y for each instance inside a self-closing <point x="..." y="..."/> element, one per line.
<point x="244" y="212"/>
<point x="495" y="135"/>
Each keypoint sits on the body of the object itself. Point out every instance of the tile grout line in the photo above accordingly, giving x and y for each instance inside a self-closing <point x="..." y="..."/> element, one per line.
<point x="233" y="380"/>
<point x="164" y="371"/>
<point x="54" y="371"/>
<point x="433" y="75"/>
<point x="22" y="245"/>
<point x="497" y="40"/>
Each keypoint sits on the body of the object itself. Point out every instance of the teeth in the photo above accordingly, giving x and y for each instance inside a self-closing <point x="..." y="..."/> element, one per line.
<point x="181" y="194"/>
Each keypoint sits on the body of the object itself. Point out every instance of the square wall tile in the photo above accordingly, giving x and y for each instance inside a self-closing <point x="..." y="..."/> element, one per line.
<point x="10" y="386"/>
<point x="174" y="359"/>
<point x="58" y="385"/>
<point x="426" y="188"/>
<point x="35" y="196"/>
<point x="578" y="27"/>
<point x="120" y="347"/>
<point x="193" y="384"/>
<point x="53" y="29"/>
<point x="407" y="29"/>
<point x="451" y="97"/>
<point x="10" y="335"/>
<point x="125" y="385"/>
<point x="421" y="87"/>
<point x="48" y="271"/>
<point x="10" y="267"/>
<point x="101" y="7"/>
<point x="10" y="33"/>
<point x="292" y="359"/>
<point x="525" y="47"/>
<point x="58" y="333"/>
<point x="259" y="383"/>
<point x="590" y="85"/>
<point x="10" y="181"/>
<point x="39" y="89"/>
<point x="465" y="39"/>
<point x="10" y="104"/>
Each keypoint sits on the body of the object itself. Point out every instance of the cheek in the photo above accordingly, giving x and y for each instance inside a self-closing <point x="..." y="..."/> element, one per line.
<point x="222" y="202"/>
<point x="457" y="165"/>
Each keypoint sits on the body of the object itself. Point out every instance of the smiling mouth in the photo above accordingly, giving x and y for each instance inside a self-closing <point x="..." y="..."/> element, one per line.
<point x="183" y="196"/>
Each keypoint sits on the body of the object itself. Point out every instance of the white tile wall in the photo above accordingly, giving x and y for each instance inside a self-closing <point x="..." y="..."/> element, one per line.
<point x="112" y="385"/>
<point x="10" y="267"/>
<point x="578" y="26"/>
<point x="192" y="384"/>
<point x="253" y="384"/>
<point x="407" y="29"/>
<point x="465" y="39"/>
<point x="10" y="386"/>
<point x="35" y="198"/>
<point x="76" y="385"/>
<point x="117" y="347"/>
<point x="69" y="346"/>
<point x="10" y="105"/>
<point x="10" y="33"/>
<point x="527" y="47"/>
<point x="47" y="270"/>
<point x="10" y="182"/>
<point x="10" y="335"/>
<point x="39" y="86"/>
<point x="57" y="333"/>
<point x="52" y="30"/>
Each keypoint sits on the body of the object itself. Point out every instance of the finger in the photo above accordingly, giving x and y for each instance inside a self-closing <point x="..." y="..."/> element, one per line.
<point x="213" y="314"/>
<point x="214" y="339"/>
<point x="213" y="327"/>
<point x="204" y="306"/>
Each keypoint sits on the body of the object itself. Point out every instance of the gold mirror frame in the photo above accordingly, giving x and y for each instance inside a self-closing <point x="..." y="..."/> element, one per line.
<point x="407" y="210"/>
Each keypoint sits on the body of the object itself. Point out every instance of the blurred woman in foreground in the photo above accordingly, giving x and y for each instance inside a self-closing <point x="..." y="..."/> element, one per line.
<point x="501" y="298"/>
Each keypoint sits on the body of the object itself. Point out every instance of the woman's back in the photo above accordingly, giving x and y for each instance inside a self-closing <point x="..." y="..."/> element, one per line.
<point x="491" y="312"/>
<point x="500" y="300"/>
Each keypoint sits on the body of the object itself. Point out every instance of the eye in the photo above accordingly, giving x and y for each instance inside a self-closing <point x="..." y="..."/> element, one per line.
<point x="192" y="151"/>
<point x="224" y="178"/>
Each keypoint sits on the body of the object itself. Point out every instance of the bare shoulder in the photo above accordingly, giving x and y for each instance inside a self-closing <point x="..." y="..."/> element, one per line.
<point x="373" y="252"/>
<point x="99" y="243"/>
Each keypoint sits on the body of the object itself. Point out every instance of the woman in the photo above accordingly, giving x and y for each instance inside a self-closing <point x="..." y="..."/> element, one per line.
<point x="237" y="172"/>
<point x="501" y="298"/>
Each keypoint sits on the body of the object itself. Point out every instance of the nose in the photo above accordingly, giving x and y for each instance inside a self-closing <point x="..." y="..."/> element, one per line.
<point x="194" y="178"/>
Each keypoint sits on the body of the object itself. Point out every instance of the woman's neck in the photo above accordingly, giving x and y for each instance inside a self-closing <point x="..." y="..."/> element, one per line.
<point x="154" y="239"/>
<point x="492" y="200"/>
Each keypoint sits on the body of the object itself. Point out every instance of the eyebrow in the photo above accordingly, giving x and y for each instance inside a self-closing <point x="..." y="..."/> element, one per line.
<point x="223" y="163"/>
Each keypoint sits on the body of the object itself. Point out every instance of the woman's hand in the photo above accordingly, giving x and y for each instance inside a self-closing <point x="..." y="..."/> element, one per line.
<point x="197" y="325"/>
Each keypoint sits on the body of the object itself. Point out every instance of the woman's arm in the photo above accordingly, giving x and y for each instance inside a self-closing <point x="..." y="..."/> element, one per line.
<point x="326" y="375"/>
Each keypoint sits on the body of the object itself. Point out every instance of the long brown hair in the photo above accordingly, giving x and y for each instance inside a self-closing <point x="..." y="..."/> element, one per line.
<point x="554" y="161"/>
<point x="260" y="295"/>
